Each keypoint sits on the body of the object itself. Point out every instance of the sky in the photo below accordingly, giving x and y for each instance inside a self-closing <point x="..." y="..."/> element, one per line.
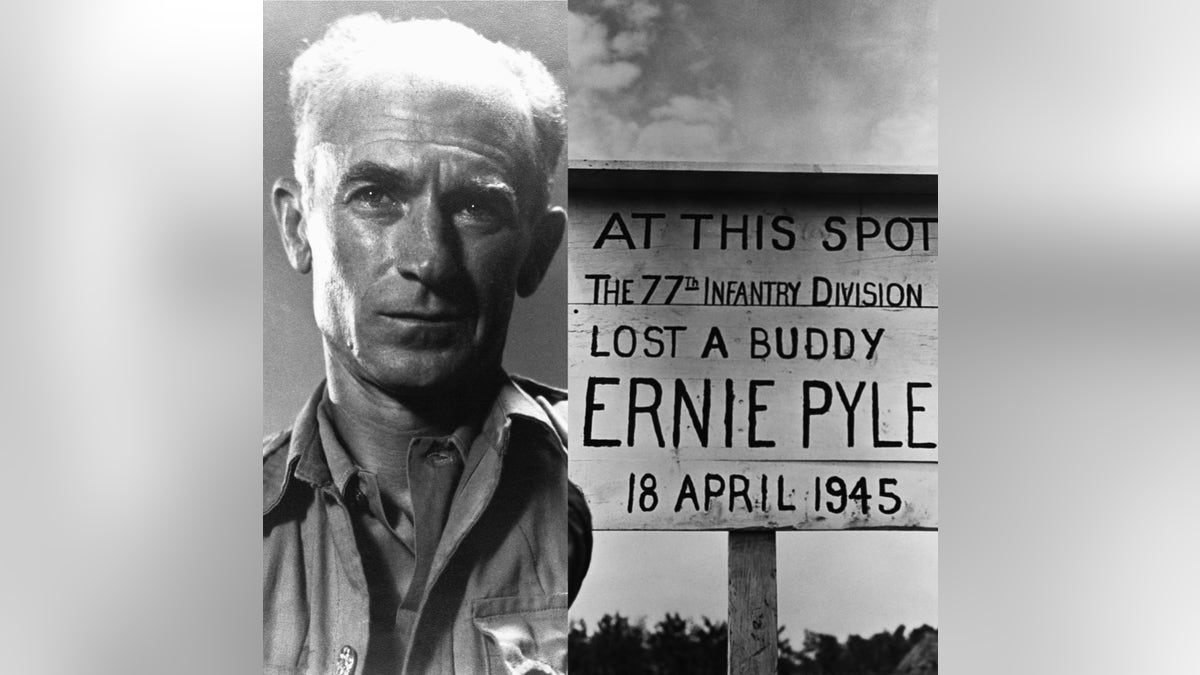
<point x="830" y="83"/>
<point x="790" y="82"/>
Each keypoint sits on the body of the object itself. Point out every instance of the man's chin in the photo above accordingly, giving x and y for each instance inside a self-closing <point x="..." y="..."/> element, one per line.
<point x="426" y="374"/>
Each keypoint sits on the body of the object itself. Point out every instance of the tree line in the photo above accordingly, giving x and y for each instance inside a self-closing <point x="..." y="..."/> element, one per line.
<point x="617" y="646"/>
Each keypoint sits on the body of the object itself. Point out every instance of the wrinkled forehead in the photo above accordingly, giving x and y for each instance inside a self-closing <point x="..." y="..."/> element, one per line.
<point x="483" y="110"/>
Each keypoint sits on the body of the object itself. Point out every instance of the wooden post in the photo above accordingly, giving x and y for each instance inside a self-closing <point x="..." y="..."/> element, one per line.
<point x="753" y="638"/>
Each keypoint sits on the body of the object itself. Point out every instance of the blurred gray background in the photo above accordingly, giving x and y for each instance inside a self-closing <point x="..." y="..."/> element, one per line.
<point x="292" y="361"/>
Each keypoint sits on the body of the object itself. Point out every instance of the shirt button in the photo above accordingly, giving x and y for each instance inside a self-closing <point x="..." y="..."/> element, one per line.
<point x="346" y="660"/>
<point x="440" y="458"/>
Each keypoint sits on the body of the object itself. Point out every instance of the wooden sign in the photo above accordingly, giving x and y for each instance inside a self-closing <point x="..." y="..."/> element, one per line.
<point x="753" y="351"/>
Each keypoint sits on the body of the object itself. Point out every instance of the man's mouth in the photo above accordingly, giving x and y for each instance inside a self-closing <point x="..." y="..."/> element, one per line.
<point x="434" y="317"/>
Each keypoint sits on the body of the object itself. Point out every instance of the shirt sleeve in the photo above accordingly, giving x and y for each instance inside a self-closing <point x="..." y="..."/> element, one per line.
<point x="579" y="525"/>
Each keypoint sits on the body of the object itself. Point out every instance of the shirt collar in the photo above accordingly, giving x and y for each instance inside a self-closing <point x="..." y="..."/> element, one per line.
<point x="341" y="467"/>
<point x="341" y="464"/>
<point x="307" y="460"/>
<point x="512" y="402"/>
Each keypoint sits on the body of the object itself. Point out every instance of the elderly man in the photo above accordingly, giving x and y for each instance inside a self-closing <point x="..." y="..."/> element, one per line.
<point x="415" y="517"/>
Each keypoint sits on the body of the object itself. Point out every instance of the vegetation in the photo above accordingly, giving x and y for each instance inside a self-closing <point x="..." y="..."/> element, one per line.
<point x="676" y="646"/>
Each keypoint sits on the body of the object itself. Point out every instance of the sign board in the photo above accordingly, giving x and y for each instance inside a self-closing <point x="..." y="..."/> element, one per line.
<point x="753" y="349"/>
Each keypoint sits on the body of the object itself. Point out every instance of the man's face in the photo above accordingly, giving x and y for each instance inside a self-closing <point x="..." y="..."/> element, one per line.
<point x="420" y="224"/>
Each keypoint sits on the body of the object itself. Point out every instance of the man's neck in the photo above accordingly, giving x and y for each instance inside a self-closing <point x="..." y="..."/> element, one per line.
<point x="375" y="426"/>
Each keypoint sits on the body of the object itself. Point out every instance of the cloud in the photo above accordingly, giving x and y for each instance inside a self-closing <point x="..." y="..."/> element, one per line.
<point x="641" y="13"/>
<point x="598" y="133"/>
<point x="686" y="128"/>
<point x="593" y="67"/>
<point x="847" y="83"/>
<point x="599" y="62"/>
<point x="905" y="138"/>
<point x="597" y="73"/>
<point x="693" y="110"/>
<point x="675" y="140"/>
<point x="631" y="43"/>
<point x="608" y="119"/>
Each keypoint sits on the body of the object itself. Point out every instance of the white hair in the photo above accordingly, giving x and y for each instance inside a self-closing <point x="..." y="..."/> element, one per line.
<point x="356" y="47"/>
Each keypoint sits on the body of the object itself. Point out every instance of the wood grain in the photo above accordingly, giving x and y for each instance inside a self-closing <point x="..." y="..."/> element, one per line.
<point x="753" y="634"/>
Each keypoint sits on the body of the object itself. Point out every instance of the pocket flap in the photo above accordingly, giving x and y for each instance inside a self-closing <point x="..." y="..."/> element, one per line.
<point x="529" y="633"/>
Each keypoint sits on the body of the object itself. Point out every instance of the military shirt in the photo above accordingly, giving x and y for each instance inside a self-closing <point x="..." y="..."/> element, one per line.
<point x="496" y="596"/>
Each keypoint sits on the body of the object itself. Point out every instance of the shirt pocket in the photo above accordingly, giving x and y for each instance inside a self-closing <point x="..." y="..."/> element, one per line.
<point x="524" y="635"/>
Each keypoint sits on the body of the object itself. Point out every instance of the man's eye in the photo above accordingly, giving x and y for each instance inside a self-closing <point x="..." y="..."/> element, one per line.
<point x="480" y="215"/>
<point x="373" y="198"/>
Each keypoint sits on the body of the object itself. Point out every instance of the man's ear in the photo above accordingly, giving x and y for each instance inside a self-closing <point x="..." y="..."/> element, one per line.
<point x="289" y="214"/>
<point x="547" y="235"/>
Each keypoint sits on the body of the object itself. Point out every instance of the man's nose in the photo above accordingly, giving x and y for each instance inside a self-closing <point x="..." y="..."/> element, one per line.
<point x="427" y="245"/>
